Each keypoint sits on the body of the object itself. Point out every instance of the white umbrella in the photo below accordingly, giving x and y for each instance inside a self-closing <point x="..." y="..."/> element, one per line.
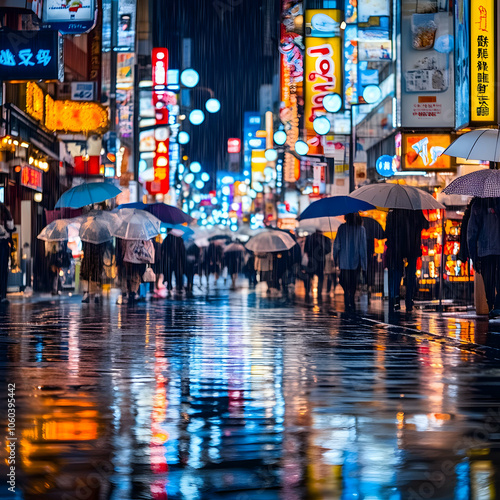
<point x="390" y="195"/>
<point x="60" y="230"/>
<point x="98" y="229"/>
<point x="136" y="224"/>
<point x="481" y="144"/>
<point x="483" y="183"/>
<point x="324" y="224"/>
<point x="270" y="241"/>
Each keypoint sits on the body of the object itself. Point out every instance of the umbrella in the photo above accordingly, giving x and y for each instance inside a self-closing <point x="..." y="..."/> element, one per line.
<point x="87" y="194"/>
<point x="166" y="213"/>
<point x="180" y="230"/>
<point x="234" y="247"/>
<point x="98" y="227"/>
<point x="481" y="144"/>
<point x="325" y="224"/>
<point x="335" y="205"/>
<point x="390" y="195"/>
<point x="136" y="225"/>
<point x="60" y="230"/>
<point x="270" y="241"/>
<point x="482" y="183"/>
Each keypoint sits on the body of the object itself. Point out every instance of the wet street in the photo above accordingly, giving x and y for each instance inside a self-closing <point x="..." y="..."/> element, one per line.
<point x="241" y="397"/>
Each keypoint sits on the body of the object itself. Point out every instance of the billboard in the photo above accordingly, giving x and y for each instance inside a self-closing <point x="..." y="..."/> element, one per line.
<point x="424" y="152"/>
<point x="323" y="63"/>
<point x="483" y="71"/>
<point x="428" y="87"/>
<point x="31" y="55"/>
<point x="70" y="16"/>
<point x="462" y="64"/>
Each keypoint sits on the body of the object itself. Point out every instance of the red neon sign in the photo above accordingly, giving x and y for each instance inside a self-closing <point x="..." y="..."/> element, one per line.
<point x="159" y="59"/>
<point x="31" y="178"/>
<point x="233" y="145"/>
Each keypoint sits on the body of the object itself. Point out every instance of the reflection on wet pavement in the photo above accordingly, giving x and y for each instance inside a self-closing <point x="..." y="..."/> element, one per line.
<point x="243" y="397"/>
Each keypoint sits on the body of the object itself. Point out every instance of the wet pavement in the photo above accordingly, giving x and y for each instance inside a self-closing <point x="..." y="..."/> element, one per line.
<point x="246" y="396"/>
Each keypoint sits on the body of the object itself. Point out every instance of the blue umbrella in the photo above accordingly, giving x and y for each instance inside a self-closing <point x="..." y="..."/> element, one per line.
<point x="187" y="231"/>
<point x="166" y="213"/>
<point x="333" y="206"/>
<point x="87" y="194"/>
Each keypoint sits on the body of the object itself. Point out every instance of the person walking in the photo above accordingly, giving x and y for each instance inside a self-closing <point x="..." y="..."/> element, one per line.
<point x="349" y="253"/>
<point x="404" y="242"/>
<point x="483" y="238"/>
<point x="193" y="265"/>
<point x="91" y="271"/>
<point x="136" y="255"/>
<point x="59" y="259"/>
<point x="317" y="246"/>
<point x="174" y="253"/>
<point x="6" y="243"/>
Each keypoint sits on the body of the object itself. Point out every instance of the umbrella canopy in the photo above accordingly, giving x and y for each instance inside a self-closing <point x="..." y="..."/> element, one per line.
<point x="98" y="227"/>
<point x="481" y="144"/>
<point x="324" y="224"/>
<point x="180" y="230"/>
<point x="335" y="205"/>
<point x="390" y="195"/>
<point x="270" y="241"/>
<point x="482" y="183"/>
<point x="234" y="247"/>
<point x="87" y="194"/>
<point x="60" y="230"/>
<point x="136" y="225"/>
<point x="166" y="213"/>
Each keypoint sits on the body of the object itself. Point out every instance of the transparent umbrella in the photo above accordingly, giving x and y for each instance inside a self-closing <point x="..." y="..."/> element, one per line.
<point x="270" y="241"/>
<point x="60" y="230"/>
<point x="136" y="224"/>
<point x="98" y="227"/>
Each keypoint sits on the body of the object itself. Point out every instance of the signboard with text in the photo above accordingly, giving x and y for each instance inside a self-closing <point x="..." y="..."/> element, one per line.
<point x="31" y="55"/>
<point x="483" y="71"/>
<point x="31" y="178"/>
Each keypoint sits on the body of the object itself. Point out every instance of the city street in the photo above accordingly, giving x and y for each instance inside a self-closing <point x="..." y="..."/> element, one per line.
<point x="243" y="396"/>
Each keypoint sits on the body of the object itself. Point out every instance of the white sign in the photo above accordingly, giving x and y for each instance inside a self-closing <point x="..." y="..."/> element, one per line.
<point x="82" y="91"/>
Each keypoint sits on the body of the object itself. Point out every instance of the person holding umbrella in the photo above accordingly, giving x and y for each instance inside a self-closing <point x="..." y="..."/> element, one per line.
<point x="483" y="238"/>
<point x="174" y="254"/>
<point x="317" y="247"/>
<point x="349" y="253"/>
<point x="233" y="260"/>
<point x="403" y="232"/>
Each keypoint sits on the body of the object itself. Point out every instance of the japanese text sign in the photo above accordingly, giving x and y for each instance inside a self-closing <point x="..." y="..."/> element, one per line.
<point x="482" y="46"/>
<point x="31" y="55"/>
<point x="31" y="178"/>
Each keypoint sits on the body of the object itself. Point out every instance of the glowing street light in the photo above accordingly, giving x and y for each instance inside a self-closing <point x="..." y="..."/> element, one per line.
<point x="271" y="155"/>
<point x="371" y="94"/>
<point x="332" y="103"/>
<point x="183" y="137"/>
<point x="321" y="125"/>
<point x="301" y="148"/>
<point x="279" y="137"/>
<point x="195" y="167"/>
<point x="212" y="105"/>
<point x="190" y="78"/>
<point x="196" y="117"/>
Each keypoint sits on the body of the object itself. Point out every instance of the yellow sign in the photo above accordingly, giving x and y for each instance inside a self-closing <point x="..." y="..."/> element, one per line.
<point x="323" y="66"/>
<point x="482" y="46"/>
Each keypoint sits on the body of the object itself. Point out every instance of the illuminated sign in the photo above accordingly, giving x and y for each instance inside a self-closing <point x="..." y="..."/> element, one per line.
<point x="160" y="66"/>
<point x="482" y="51"/>
<point x="31" y="178"/>
<point x="233" y="145"/>
<point x="424" y="152"/>
<point x="73" y="16"/>
<point x="31" y="55"/>
<point x="323" y="65"/>
<point x="65" y="116"/>
<point x="386" y="165"/>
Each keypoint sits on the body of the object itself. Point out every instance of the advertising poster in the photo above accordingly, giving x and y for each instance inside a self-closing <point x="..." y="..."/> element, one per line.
<point x="125" y="93"/>
<point x="126" y="25"/>
<point x="483" y="71"/>
<point x="462" y="64"/>
<point x="323" y="62"/>
<point x="292" y="81"/>
<point x="428" y="87"/>
<point x="424" y="152"/>
<point x="69" y="16"/>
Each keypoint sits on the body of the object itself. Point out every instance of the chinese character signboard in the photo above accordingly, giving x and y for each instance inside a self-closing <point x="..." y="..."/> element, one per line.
<point x="31" y="178"/>
<point x="31" y="55"/>
<point x="71" y="17"/>
<point x="462" y="64"/>
<point x="482" y="46"/>
<point x="425" y="152"/>
<point x="427" y="62"/>
<point x="323" y="64"/>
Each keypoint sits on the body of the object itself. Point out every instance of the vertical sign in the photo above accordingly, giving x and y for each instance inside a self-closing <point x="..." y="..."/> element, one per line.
<point x="462" y="64"/>
<point x="483" y="98"/>
<point x="323" y="62"/>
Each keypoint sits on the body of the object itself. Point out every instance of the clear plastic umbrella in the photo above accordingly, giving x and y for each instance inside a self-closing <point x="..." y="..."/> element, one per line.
<point x="136" y="224"/>
<point x="270" y="241"/>
<point x="98" y="227"/>
<point x="60" y="230"/>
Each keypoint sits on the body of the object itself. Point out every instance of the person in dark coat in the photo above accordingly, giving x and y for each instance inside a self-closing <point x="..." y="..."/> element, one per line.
<point x="158" y="264"/>
<point x="463" y="254"/>
<point x="483" y="238"/>
<point x="404" y="241"/>
<point x="233" y="260"/>
<point x="92" y="267"/>
<point x="212" y="260"/>
<point x="317" y="246"/>
<point x="193" y="265"/>
<point x="174" y="253"/>
<point x="6" y="243"/>
<point x="59" y="258"/>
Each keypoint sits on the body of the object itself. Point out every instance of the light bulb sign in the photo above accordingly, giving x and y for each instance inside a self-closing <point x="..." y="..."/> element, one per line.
<point x="386" y="166"/>
<point x="233" y="145"/>
<point x="159" y="60"/>
<point x="31" y="55"/>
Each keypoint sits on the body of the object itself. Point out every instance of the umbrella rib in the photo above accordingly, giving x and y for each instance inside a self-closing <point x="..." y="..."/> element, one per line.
<point x="474" y="144"/>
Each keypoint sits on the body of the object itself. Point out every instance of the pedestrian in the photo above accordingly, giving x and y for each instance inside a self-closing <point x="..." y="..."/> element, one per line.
<point x="91" y="270"/>
<point x="349" y="252"/>
<point x="212" y="260"/>
<point x="6" y="244"/>
<point x="193" y="265"/>
<point x="174" y="254"/>
<point x="59" y="259"/>
<point x="249" y="269"/>
<point x="316" y="247"/>
<point x="331" y="275"/>
<point x="404" y="243"/>
<point x="483" y="238"/>
<point x="233" y="260"/>
<point x="158" y="268"/>
<point x="264" y="266"/>
<point x="137" y="254"/>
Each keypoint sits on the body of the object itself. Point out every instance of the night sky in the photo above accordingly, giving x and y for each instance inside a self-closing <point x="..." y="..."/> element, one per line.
<point x="228" y="51"/>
